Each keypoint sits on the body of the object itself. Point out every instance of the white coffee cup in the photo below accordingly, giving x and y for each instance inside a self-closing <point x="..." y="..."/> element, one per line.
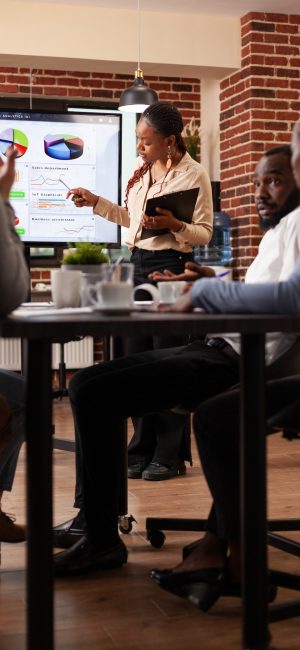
<point x="170" y="291"/>
<point x="106" y="295"/>
<point x="65" y="288"/>
<point x="114" y="289"/>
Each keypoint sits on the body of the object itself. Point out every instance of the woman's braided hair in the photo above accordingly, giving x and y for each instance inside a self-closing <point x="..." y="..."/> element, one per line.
<point x="165" y="119"/>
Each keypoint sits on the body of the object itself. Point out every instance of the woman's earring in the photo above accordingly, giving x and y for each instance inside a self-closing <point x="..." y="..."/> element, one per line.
<point x="169" y="161"/>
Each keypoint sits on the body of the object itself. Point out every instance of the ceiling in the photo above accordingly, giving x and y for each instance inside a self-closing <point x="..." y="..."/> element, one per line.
<point x="213" y="7"/>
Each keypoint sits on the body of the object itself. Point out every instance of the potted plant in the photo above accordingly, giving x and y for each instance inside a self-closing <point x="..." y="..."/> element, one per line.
<point x="85" y="256"/>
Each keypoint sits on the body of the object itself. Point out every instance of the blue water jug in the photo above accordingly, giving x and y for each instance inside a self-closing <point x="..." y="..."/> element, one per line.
<point x="218" y="251"/>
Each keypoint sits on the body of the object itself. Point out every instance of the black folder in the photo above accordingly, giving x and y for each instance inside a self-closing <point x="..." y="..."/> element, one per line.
<point x="181" y="204"/>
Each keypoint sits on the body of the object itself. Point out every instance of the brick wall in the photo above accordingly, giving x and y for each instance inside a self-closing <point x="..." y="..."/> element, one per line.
<point x="98" y="87"/>
<point x="259" y="105"/>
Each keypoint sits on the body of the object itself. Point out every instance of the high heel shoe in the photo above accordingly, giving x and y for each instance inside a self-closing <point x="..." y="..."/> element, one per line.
<point x="169" y="578"/>
<point x="202" y="588"/>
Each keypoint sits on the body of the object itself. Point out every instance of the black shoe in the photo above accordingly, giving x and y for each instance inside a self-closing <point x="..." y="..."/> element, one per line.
<point x="135" y="470"/>
<point x="168" y="578"/>
<point x="68" y="533"/>
<point x="82" y="558"/>
<point x="202" y="588"/>
<point x="158" y="472"/>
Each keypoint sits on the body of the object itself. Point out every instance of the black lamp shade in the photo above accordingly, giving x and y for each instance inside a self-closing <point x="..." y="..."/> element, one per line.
<point x="137" y="97"/>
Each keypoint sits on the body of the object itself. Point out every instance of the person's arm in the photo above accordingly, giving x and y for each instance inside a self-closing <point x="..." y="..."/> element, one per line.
<point x="192" y="271"/>
<point x="216" y="296"/>
<point x="82" y="197"/>
<point x="112" y="212"/>
<point x="14" y="274"/>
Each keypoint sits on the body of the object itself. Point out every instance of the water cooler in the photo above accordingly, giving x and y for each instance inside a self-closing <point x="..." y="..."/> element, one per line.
<point x="217" y="254"/>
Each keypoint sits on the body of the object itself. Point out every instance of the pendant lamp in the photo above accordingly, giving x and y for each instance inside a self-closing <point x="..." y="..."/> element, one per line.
<point x="137" y="97"/>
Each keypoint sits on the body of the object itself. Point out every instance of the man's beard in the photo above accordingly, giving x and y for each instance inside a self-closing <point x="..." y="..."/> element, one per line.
<point x="290" y="205"/>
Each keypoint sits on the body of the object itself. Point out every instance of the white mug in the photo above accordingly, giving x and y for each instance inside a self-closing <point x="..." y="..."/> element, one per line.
<point x="109" y="295"/>
<point x="65" y="288"/>
<point x="104" y="295"/>
<point x="114" y="289"/>
<point x="170" y="291"/>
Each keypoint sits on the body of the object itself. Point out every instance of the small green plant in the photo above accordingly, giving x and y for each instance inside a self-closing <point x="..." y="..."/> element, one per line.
<point x="85" y="253"/>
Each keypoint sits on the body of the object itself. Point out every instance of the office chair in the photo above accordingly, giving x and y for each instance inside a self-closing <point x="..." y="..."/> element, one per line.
<point x="286" y="365"/>
<point x="287" y="420"/>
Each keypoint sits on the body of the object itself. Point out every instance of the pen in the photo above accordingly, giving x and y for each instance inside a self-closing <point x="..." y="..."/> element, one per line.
<point x="222" y="275"/>
<point x="65" y="184"/>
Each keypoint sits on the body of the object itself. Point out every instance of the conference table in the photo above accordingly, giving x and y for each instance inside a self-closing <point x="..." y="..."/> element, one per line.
<point x="37" y="331"/>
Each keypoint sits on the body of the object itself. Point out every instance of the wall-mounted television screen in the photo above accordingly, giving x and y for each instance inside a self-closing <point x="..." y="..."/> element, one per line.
<point x="57" y="151"/>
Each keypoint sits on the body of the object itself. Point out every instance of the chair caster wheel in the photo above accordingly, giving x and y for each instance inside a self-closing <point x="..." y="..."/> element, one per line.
<point x="125" y="524"/>
<point x="156" y="538"/>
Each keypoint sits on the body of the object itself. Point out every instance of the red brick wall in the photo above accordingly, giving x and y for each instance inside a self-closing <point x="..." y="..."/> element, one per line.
<point x="98" y="87"/>
<point x="259" y="105"/>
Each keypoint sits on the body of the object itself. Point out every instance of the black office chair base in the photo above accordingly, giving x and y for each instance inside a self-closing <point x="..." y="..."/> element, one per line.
<point x="155" y="526"/>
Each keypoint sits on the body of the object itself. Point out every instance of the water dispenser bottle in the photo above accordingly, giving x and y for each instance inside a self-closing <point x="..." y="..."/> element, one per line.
<point x="218" y="251"/>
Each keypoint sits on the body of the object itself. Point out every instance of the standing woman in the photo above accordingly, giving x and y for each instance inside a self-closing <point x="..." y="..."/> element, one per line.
<point x="160" y="443"/>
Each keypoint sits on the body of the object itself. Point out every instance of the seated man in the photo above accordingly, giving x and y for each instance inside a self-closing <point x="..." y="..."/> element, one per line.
<point x="14" y="284"/>
<point x="214" y="563"/>
<point x="103" y="396"/>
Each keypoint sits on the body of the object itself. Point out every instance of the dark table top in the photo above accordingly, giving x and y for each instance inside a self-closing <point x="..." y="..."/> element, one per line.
<point x="67" y="325"/>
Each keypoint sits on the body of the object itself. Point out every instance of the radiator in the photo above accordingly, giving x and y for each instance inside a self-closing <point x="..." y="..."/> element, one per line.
<point x="77" y="354"/>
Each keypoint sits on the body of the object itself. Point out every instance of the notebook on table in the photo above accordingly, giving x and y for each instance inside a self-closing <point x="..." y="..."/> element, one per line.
<point x="181" y="204"/>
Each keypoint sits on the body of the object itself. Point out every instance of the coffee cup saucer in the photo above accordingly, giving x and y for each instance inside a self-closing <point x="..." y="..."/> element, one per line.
<point x="139" y="305"/>
<point x="113" y="311"/>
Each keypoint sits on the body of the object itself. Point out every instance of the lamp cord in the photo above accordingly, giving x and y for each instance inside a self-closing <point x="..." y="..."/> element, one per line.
<point x="139" y="33"/>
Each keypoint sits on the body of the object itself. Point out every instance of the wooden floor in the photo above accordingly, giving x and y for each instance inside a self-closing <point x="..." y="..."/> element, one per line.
<point x="122" y="608"/>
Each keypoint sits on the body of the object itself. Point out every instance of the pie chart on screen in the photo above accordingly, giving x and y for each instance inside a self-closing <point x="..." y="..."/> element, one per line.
<point x="62" y="146"/>
<point x="14" y="138"/>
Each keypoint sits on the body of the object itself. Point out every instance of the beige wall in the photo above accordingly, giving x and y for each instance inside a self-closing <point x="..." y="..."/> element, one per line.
<point x="98" y="39"/>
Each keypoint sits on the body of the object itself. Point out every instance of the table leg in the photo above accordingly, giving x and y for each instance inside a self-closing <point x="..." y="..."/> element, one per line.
<point x="253" y="494"/>
<point x="113" y="348"/>
<point x="39" y="496"/>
